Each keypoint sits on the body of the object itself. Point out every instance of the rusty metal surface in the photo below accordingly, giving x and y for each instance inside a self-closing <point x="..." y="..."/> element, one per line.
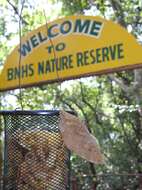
<point x="35" y="155"/>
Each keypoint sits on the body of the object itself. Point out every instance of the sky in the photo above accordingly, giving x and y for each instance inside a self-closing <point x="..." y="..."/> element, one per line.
<point x="52" y="11"/>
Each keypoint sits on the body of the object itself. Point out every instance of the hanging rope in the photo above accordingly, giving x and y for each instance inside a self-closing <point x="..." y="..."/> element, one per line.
<point x="20" y="55"/>
<point x="54" y="54"/>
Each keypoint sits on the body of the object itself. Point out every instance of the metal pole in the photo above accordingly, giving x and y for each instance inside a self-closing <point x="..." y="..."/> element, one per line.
<point x="5" y="156"/>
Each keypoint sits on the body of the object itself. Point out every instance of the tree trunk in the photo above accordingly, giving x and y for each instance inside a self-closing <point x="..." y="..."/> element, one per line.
<point x="1" y="158"/>
<point x="0" y="161"/>
<point x="74" y="184"/>
<point x="138" y="96"/>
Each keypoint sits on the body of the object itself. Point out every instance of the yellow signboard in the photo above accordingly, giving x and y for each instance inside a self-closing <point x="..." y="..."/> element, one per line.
<point x="68" y="48"/>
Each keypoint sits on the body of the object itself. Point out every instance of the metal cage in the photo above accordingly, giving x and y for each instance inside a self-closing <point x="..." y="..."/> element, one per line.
<point x="35" y="157"/>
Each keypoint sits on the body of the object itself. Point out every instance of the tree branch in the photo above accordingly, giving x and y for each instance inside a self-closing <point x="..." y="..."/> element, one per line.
<point x="116" y="5"/>
<point x="94" y="109"/>
<point x="124" y="87"/>
<point x="17" y="13"/>
<point x="69" y="105"/>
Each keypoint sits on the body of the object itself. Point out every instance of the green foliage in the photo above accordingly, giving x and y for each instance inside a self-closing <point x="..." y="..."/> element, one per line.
<point x="74" y="6"/>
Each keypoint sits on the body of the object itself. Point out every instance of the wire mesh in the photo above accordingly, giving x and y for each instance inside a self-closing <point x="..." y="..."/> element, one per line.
<point x="35" y="157"/>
